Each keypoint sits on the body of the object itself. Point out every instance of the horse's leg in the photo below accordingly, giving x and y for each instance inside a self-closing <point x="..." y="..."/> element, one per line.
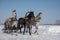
<point x="8" y="29"/>
<point x="20" y="28"/>
<point x="5" y="26"/>
<point x="24" y="29"/>
<point x="36" y="29"/>
<point x="16" y="28"/>
<point x="16" y="31"/>
<point x="30" y="26"/>
<point x="36" y="26"/>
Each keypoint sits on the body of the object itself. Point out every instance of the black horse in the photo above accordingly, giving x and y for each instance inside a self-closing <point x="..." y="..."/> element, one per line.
<point x="26" y="22"/>
<point x="22" y="23"/>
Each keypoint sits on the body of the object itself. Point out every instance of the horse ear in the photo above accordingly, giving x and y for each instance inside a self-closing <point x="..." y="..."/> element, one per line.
<point x="14" y="11"/>
<point x="40" y="12"/>
<point x="39" y="15"/>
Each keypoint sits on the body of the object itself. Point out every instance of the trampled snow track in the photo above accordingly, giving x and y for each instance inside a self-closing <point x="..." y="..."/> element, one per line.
<point x="46" y="32"/>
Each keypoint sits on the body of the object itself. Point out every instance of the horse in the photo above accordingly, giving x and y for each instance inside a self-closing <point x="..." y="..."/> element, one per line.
<point x="25" y="22"/>
<point x="8" y="24"/>
<point x="22" y="23"/>
<point x="30" y="18"/>
<point x="35" y="22"/>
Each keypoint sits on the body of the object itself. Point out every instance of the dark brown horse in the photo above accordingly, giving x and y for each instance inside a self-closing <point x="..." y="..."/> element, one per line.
<point x="26" y="22"/>
<point x="21" y="24"/>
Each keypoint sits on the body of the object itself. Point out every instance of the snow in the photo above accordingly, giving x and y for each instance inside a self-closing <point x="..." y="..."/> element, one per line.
<point x="46" y="32"/>
<point x="54" y="29"/>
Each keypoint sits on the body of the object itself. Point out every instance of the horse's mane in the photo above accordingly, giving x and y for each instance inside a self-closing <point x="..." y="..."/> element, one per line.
<point x="38" y="17"/>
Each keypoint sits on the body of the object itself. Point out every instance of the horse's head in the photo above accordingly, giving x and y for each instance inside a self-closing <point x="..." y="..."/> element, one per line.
<point x="29" y="14"/>
<point x="38" y="17"/>
<point x="14" y="15"/>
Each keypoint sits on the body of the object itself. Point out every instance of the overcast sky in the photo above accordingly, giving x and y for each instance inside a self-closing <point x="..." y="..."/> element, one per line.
<point x="49" y="8"/>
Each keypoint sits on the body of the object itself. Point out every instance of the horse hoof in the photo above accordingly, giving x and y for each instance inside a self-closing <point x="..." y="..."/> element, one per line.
<point x="29" y="33"/>
<point x="26" y="31"/>
<point x="23" y="33"/>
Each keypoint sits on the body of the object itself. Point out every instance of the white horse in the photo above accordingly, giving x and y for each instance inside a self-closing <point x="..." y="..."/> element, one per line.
<point x="36" y="22"/>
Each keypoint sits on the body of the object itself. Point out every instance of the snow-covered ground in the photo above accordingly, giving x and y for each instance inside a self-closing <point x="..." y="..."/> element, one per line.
<point x="46" y="32"/>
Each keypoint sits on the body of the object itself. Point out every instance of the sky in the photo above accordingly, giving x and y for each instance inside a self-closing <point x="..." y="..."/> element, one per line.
<point x="50" y="9"/>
